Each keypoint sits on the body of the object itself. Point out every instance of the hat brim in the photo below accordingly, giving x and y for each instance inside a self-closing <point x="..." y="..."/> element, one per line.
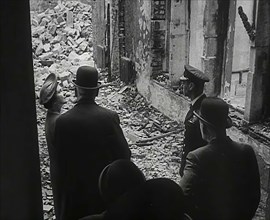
<point x="83" y="87"/>
<point x="228" y="123"/>
<point x="49" y="89"/>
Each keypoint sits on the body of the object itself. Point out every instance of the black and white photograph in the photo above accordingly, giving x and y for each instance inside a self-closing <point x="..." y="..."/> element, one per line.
<point x="135" y="109"/>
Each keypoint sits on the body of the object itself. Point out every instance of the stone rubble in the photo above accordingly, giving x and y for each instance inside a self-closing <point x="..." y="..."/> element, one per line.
<point x="62" y="41"/>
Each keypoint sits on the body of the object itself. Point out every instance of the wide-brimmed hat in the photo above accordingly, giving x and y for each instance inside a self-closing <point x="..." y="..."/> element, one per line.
<point x="48" y="89"/>
<point x="193" y="74"/>
<point x="214" y="112"/>
<point x="87" y="78"/>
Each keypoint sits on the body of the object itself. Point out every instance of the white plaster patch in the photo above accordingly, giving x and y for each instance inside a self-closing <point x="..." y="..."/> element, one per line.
<point x="140" y="22"/>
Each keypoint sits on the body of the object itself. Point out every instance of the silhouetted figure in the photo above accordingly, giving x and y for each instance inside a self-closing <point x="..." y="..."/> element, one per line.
<point x="221" y="180"/>
<point x="192" y="86"/>
<point x="157" y="199"/>
<point x="53" y="102"/>
<point x="87" y="138"/>
<point x="118" y="178"/>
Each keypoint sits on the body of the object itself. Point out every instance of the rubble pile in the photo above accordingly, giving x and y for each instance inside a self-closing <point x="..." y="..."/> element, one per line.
<point x="61" y="41"/>
<point x="155" y="140"/>
<point x="162" y="78"/>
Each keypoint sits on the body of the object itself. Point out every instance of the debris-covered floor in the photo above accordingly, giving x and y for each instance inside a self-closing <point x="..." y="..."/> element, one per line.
<point x="60" y="48"/>
<point x="62" y="41"/>
<point x="155" y="141"/>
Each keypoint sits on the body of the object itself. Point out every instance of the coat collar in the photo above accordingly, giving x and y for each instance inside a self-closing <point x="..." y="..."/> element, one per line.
<point x="86" y="101"/>
<point x="197" y="102"/>
<point x="220" y="140"/>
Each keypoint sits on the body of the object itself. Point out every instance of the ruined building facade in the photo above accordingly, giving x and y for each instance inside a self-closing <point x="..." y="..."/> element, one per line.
<point x="149" y="42"/>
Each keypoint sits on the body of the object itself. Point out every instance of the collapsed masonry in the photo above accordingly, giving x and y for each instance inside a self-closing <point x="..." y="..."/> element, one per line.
<point x="61" y="41"/>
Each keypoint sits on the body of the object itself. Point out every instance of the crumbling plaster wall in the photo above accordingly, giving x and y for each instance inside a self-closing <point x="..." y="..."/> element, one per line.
<point x="138" y="46"/>
<point x="114" y="36"/>
<point x="196" y="33"/>
<point x="99" y="24"/>
<point x="241" y="49"/>
<point x="137" y="29"/>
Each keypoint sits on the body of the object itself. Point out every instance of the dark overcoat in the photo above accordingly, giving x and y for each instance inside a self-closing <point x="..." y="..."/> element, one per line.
<point x="88" y="137"/>
<point x="221" y="181"/>
<point x="192" y="136"/>
<point x="51" y="118"/>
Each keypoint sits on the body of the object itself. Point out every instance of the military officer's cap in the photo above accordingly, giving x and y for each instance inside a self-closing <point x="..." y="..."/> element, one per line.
<point x="193" y="74"/>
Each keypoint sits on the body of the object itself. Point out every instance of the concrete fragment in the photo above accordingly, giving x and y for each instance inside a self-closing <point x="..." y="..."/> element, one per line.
<point x="54" y="68"/>
<point x="73" y="55"/>
<point x="69" y="18"/>
<point x="56" y="39"/>
<point x="64" y="75"/>
<point x="70" y="39"/>
<point x="57" y="48"/>
<point x="83" y="46"/>
<point x="85" y="56"/>
<point x="46" y="56"/>
<point x="69" y="30"/>
<point x="34" y="22"/>
<point x="39" y="49"/>
<point x="60" y="19"/>
<point x="38" y="30"/>
<point x="47" y="47"/>
<point x="65" y="83"/>
<point x="79" y="40"/>
<point x="52" y="29"/>
<point x="47" y="208"/>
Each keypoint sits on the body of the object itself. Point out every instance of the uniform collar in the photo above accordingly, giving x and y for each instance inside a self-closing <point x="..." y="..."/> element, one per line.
<point x="196" y="99"/>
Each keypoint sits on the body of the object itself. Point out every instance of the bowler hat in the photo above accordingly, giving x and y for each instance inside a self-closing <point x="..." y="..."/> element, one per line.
<point x="48" y="89"/>
<point x="193" y="74"/>
<point x="87" y="78"/>
<point x="214" y="112"/>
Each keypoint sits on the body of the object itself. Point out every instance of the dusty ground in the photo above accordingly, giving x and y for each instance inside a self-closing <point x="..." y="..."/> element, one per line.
<point x="60" y="46"/>
<point x="156" y="158"/>
<point x="139" y="120"/>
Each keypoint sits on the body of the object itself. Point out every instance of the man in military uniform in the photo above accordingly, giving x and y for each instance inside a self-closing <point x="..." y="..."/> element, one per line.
<point x="192" y="86"/>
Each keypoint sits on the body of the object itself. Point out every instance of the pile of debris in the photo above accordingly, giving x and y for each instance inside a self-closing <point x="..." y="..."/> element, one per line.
<point x="61" y="40"/>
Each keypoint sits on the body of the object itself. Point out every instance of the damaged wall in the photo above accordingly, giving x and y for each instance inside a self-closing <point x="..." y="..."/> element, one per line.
<point x="137" y="41"/>
<point x="143" y="42"/>
<point x="114" y="37"/>
<point x="215" y="33"/>
<point x="99" y="25"/>
<point x="196" y="33"/>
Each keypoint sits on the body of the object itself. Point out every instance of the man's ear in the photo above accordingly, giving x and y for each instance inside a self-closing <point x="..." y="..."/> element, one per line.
<point x="191" y="86"/>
